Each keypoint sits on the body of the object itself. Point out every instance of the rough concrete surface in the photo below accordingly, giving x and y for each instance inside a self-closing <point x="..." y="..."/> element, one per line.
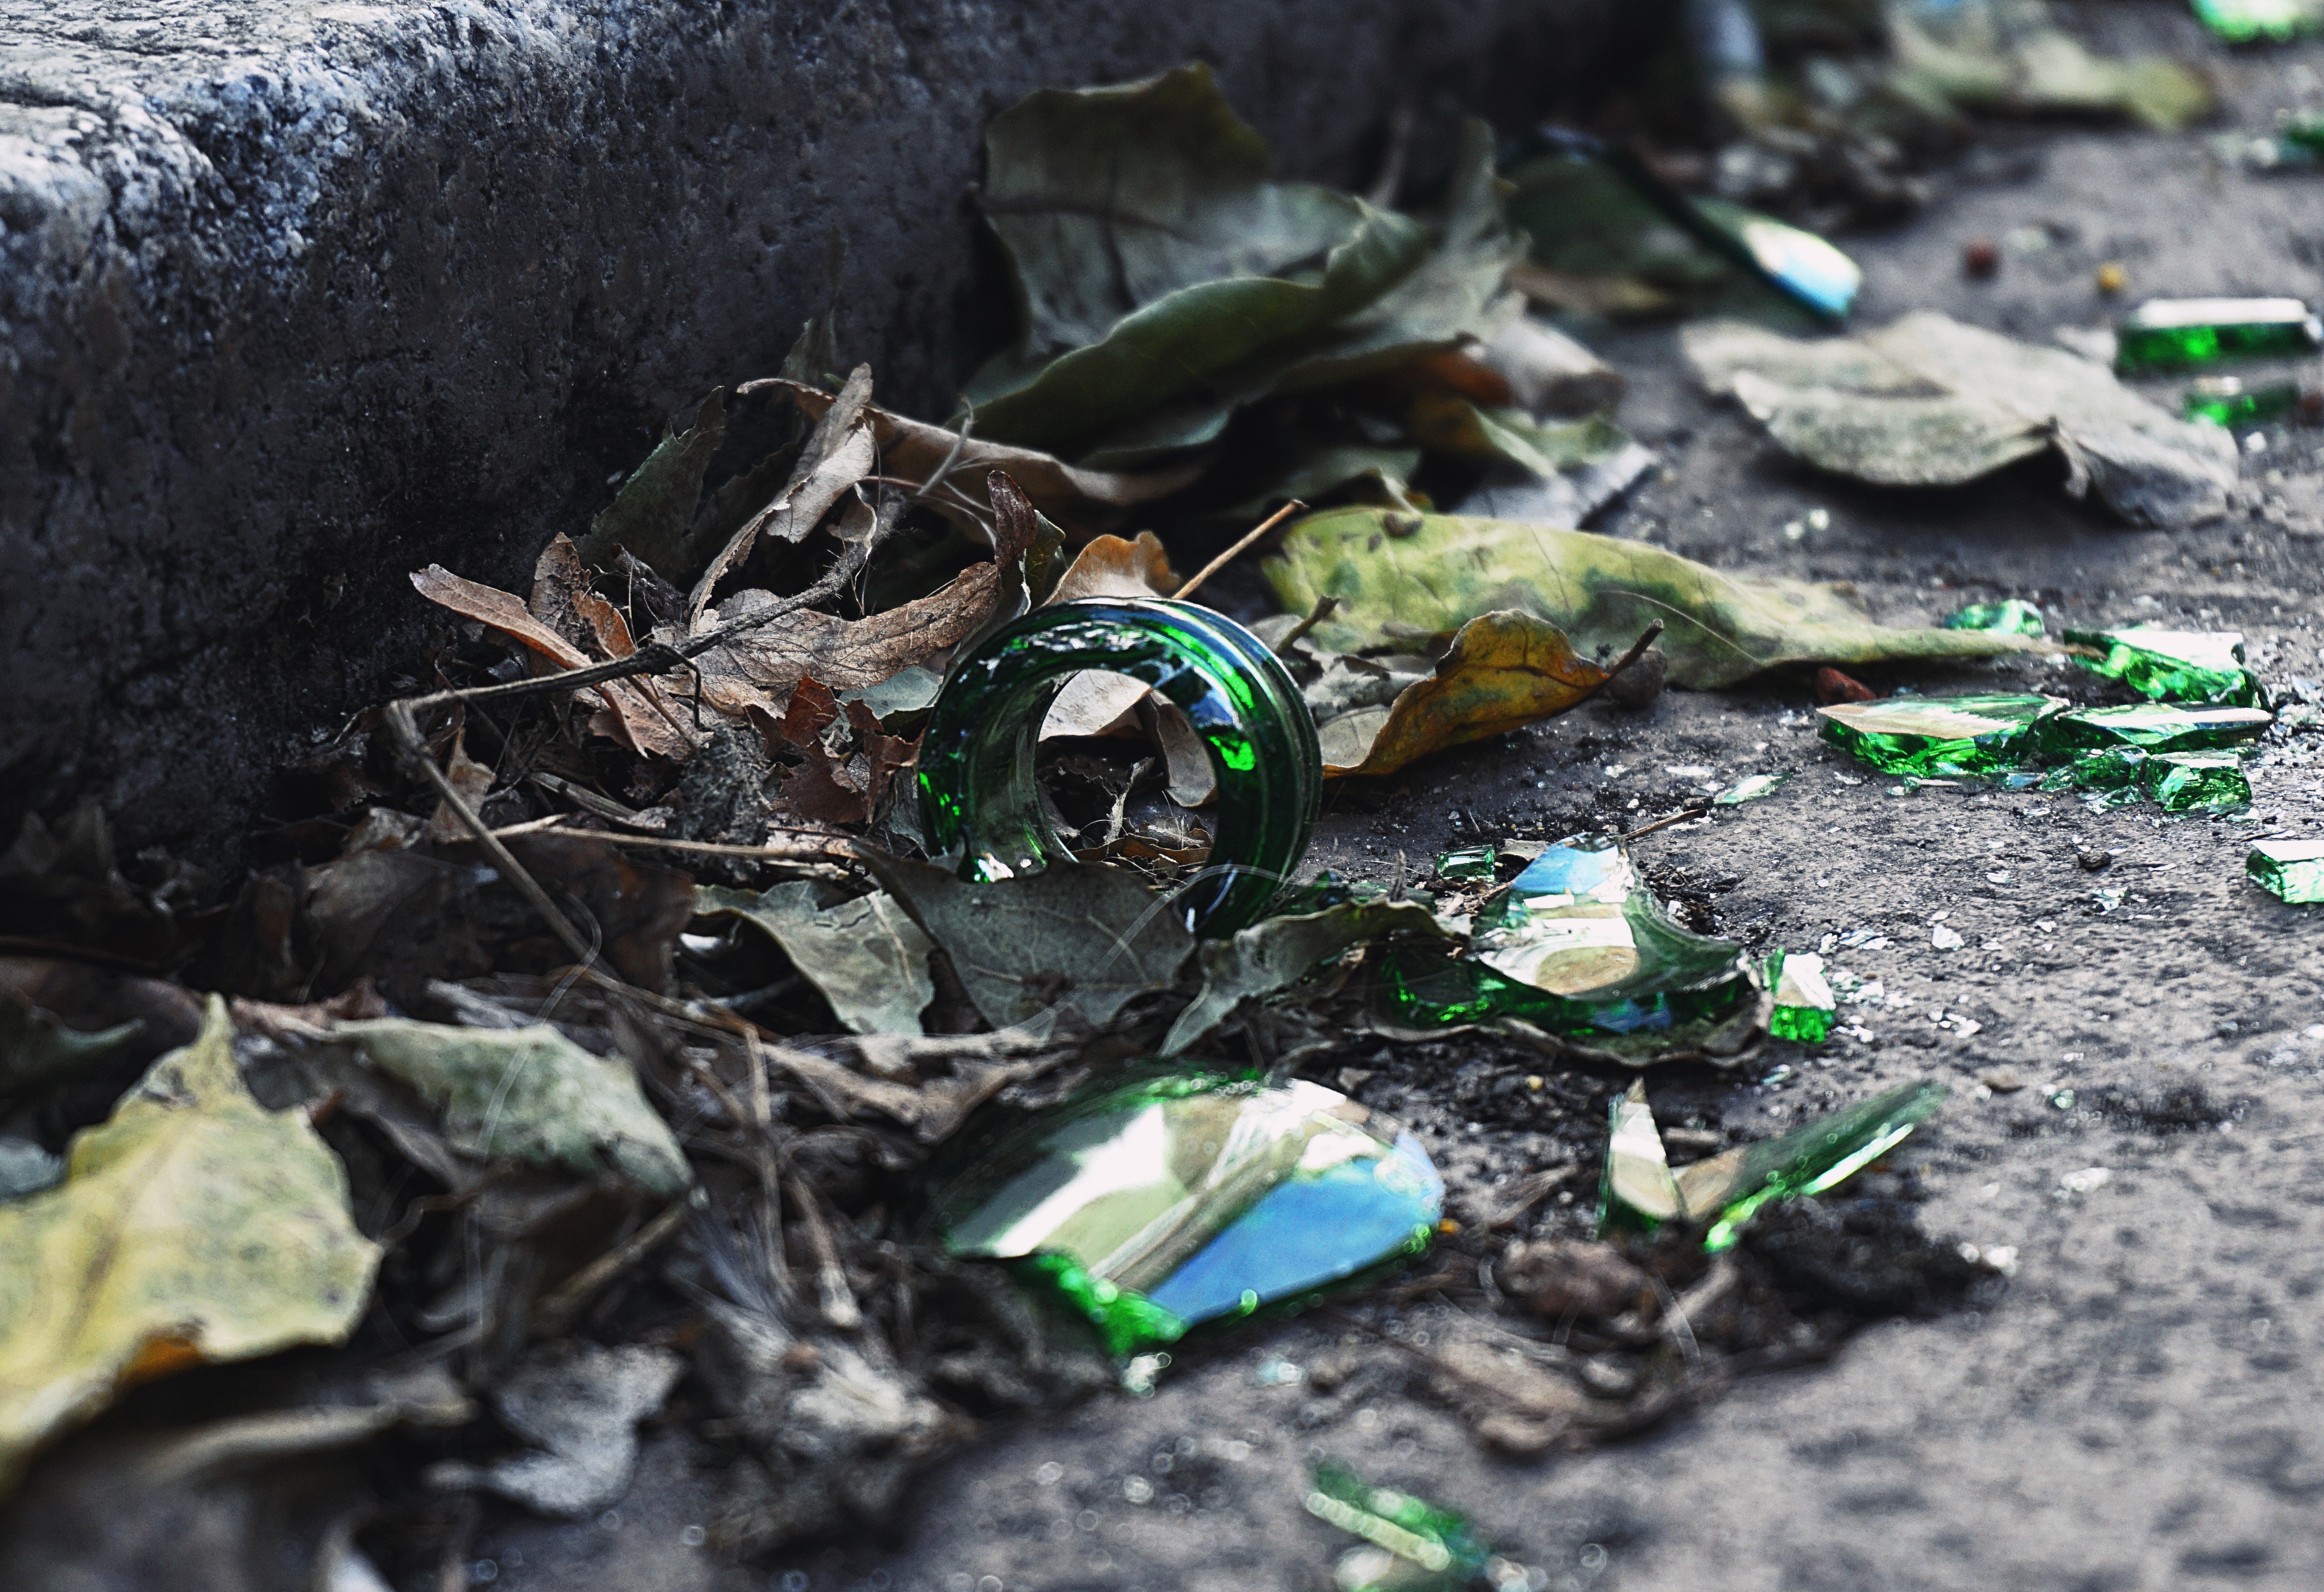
<point x="2143" y="1409"/>
<point x="301" y="297"/>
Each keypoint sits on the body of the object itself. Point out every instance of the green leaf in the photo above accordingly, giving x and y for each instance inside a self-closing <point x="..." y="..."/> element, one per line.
<point x="652" y="512"/>
<point x="1928" y="401"/>
<point x="530" y="1095"/>
<point x="867" y="955"/>
<point x="1087" y="937"/>
<point x="1164" y="281"/>
<point x="1273" y="955"/>
<point x="1404" y="578"/>
<point x="194" y="1225"/>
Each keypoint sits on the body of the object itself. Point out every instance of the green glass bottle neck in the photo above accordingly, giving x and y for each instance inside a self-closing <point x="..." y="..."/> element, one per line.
<point x="980" y="798"/>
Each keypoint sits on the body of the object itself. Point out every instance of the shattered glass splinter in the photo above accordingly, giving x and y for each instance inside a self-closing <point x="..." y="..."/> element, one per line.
<point x="2172" y="665"/>
<point x="1420" y="1546"/>
<point x="2191" y="781"/>
<point x="1640" y="1191"/>
<point x="2014" y="617"/>
<point x="1578" y="947"/>
<point x="980" y="800"/>
<point x="1156" y="1206"/>
<point x="2155" y="727"/>
<point x="2224" y="400"/>
<point x="2290" y="871"/>
<point x="1470" y="862"/>
<point x="1934" y="737"/>
<point x="1805" y="1007"/>
<point x="2171" y="334"/>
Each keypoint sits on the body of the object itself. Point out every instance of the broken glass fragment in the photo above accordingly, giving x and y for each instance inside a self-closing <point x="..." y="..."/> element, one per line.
<point x="2155" y="727"/>
<point x="1804" y="1008"/>
<point x="1750" y="788"/>
<point x="1331" y="889"/>
<point x="2224" y="400"/>
<point x="2244" y="22"/>
<point x="1576" y="945"/>
<point x="2172" y="665"/>
<point x="1932" y="736"/>
<point x="2171" y="334"/>
<point x="1468" y="863"/>
<point x="1728" y="1188"/>
<point x="1156" y="1206"/>
<point x="2015" y="617"/>
<point x="2196" y="781"/>
<point x="1414" y="1535"/>
<point x="2110" y="769"/>
<point x="2290" y="871"/>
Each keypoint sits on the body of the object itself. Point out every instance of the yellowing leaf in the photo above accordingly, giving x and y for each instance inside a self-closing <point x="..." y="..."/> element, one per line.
<point x="193" y="1225"/>
<point x="1503" y="670"/>
<point x="1413" y="576"/>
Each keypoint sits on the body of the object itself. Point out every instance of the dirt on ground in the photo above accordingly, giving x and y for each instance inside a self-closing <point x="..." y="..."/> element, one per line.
<point x="2136" y="1050"/>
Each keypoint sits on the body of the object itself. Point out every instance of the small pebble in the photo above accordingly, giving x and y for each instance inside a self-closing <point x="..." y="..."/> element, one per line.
<point x="1981" y="257"/>
<point x="2112" y="278"/>
<point x="2093" y="860"/>
<point x="2002" y="1080"/>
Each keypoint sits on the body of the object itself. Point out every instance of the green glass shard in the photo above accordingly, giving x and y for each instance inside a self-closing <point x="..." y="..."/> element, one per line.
<point x="2290" y="871"/>
<point x="2173" y="333"/>
<point x="1805" y="1008"/>
<point x="1750" y="788"/>
<point x="2110" y="769"/>
<point x="1468" y="863"/>
<point x="1640" y="1191"/>
<point x="1808" y="1160"/>
<point x="1932" y="737"/>
<point x="1576" y="946"/>
<point x="2246" y="21"/>
<point x="2172" y="665"/>
<point x="2196" y="781"/>
<point x="1430" y="1539"/>
<point x="1156" y="1206"/>
<point x="2014" y="616"/>
<point x="1637" y="1193"/>
<point x="2304" y="130"/>
<point x="1327" y="889"/>
<point x="2224" y="400"/>
<point x="2155" y="727"/>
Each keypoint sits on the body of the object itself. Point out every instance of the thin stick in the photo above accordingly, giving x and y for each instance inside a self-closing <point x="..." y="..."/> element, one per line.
<point x="1637" y="650"/>
<point x="701" y="848"/>
<point x="1232" y="554"/>
<point x="1680" y="816"/>
<point x="840" y="1310"/>
<point x="1325" y="607"/>
<point x="557" y="1311"/>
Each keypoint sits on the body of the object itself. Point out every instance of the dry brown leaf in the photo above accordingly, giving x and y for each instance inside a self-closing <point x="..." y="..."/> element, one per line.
<point x="1111" y="566"/>
<point x="798" y="510"/>
<point x="1080" y="501"/>
<point x="471" y="779"/>
<point x="638" y="714"/>
<point x="759" y="668"/>
<point x="1503" y="670"/>
<point x="1094" y="702"/>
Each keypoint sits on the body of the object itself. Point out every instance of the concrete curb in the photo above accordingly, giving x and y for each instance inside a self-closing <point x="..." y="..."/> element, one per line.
<point x="303" y="297"/>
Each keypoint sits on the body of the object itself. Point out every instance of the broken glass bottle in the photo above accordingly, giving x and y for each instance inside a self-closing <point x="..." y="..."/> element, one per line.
<point x="1934" y="737"/>
<point x="2196" y="781"/>
<point x="2152" y="726"/>
<point x="2171" y="666"/>
<point x="2173" y="334"/>
<point x="1805" y="1007"/>
<point x="1640" y="1191"/>
<point x="980" y="800"/>
<point x="1157" y="1205"/>
<point x="2289" y="870"/>
<point x="2225" y="400"/>
<point x="2015" y="617"/>
<point x="1574" y="945"/>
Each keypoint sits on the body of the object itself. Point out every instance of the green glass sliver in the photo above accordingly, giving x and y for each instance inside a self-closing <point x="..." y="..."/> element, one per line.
<point x="2144" y="662"/>
<point x="1821" y="1155"/>
<point x="2014" y="616"/>
<point x="2157" y="337"/>
<point x="2228" y="402"/>
<point x="979" y="798"/>
<point x="2152" y="726"/>
<point x="1436" y="1539"/>
<point x="1940" y="752"/>
<point x="2290" y="871"/>
<point x="2193" y="781"/>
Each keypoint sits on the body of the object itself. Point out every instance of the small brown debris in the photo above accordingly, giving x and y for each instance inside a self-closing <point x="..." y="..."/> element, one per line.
<point x="2002" y="1080"/>
<point x="1557" y="1277"/>
<point x="1833" y="686"/>
<point x="2112" y="278"/>
<point x="1980" y="258"/>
